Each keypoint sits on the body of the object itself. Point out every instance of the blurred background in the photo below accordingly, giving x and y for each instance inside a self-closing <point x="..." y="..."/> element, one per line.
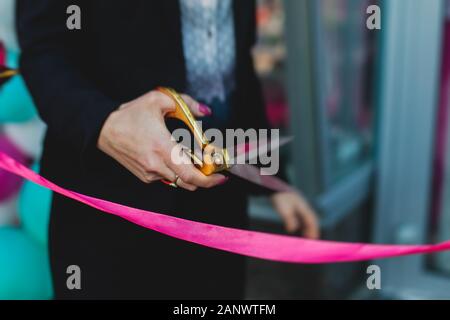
<point x="369" y="112"/>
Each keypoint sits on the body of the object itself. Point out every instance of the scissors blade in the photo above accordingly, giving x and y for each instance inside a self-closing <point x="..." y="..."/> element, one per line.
<point x="248" y="152"/>
<point x="252" y="174"/>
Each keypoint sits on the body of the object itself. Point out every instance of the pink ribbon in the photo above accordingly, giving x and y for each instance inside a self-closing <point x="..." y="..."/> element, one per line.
<point x="248" y="243"/>
<point x="10" y="183"/>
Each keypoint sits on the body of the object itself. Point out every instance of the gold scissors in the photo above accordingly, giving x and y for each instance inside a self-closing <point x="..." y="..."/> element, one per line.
<point x="216" y="159"/>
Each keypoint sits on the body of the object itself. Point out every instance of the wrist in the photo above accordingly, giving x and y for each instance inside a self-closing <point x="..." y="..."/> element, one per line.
<point x="107" y="131"/>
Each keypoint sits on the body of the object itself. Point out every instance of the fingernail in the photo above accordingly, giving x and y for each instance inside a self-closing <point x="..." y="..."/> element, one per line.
<point x="224" y="180"/>
<point x="205" y="110"/>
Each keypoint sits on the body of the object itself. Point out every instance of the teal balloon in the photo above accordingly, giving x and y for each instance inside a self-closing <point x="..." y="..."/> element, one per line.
<point x="34" y="210"/>
<point x="15" y="101"/>
<point x="24" y="267"/>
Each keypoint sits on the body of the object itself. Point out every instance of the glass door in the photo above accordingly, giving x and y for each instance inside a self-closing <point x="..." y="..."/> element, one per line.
<point x="439" y="224"/>
<point x="413" y="183"/>
<point x="317" y="61"/>
<point x="332" y="59"/>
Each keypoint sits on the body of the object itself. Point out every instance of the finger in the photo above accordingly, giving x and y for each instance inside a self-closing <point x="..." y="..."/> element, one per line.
<point x="167" y="174"/>
<point x="165" y="102"/>
<point x="140" y="170"/>
<point x="164" y="171"/>
<point x="197" y="109"/>
<point x="287" y="213"/>
<point x="187" y="186"/>
<point x="290" y="220"/>
<point x="183" y="167"/>
<point x="309" y="220"/>
<point x="191" y="175"/>
<point x="137" y="170"/>
<point x="147" y="177"/>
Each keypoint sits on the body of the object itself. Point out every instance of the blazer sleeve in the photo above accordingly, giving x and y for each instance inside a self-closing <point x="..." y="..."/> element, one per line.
<point x="54" y="66"/>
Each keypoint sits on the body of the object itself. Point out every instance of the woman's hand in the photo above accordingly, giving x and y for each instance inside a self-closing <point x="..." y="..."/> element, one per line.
<point x="137" y="137"/>
<point x="296" y="214"/>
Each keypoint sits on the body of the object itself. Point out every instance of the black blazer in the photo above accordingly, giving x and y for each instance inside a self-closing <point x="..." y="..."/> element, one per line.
<point x="77" y="78"/>
<point x="124" y="49"/>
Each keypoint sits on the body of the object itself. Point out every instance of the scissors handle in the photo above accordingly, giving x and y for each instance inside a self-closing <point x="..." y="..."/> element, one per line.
<point x="183" y="113"/>
<point x="214" y="159"/>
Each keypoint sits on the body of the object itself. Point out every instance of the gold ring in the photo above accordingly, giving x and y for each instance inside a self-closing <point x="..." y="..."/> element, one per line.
<point x="175" y="183"/>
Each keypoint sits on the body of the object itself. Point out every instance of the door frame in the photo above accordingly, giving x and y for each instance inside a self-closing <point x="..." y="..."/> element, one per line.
<point x="408" y="100"/>
<point x="311" y="154"/>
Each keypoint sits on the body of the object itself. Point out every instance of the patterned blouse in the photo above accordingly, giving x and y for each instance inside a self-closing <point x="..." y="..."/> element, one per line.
<point x="209" y="50"/>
